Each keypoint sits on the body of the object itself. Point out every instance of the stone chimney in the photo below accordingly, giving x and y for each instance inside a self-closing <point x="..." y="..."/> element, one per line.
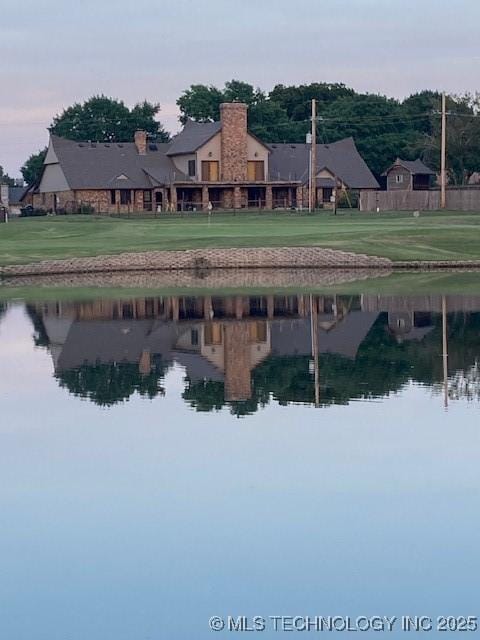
<point x="141" y="142"/>
<point x="233" y="116"/>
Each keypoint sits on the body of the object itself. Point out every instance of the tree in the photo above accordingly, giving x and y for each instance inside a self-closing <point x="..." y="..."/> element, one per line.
<point x="32" y="169"/>
<point x="200" y="103"/>
<point x="105" y="119"/>
<point x="463" y="138"/>
<point x="5" y="178"/>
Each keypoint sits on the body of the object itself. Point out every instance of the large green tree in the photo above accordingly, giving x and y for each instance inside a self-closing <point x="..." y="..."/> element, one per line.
<point x="105" y="119"/>
<point x="32" y="169"/>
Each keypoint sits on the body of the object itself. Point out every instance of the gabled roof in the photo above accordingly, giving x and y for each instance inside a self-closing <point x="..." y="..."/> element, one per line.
<point x="193" y="136"/>
<point x="341" y="158"/>
<point x="414" y="166"/>
<point x="112" y="165"/>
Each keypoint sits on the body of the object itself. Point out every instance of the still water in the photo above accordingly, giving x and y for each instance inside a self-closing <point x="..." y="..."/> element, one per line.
<point x="164" y="460"/>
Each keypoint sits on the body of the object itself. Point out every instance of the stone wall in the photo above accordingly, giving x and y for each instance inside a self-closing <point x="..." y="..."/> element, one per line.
<point x="204" y="259"/>
<point x="234" y="155"/>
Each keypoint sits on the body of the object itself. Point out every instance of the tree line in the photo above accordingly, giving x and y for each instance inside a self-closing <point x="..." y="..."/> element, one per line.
<point x="383" y="128"/>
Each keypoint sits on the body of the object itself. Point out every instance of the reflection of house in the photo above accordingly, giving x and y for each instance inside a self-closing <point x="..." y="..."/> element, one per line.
<point x="214" y="338"/>
<point x="410" y="325"/>
<point x="220" y="163"/>
<point x="408" y="175"/>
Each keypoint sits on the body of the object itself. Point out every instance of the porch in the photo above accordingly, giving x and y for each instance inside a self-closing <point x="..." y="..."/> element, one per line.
<point x="223" y="197"/>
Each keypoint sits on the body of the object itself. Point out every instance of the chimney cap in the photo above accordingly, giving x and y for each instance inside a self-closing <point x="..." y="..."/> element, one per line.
<point x="233" y="105"/>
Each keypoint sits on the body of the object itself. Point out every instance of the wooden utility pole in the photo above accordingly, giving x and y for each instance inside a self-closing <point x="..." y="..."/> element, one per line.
<point x="443" y="159"/>
<point x="313" y="159"/>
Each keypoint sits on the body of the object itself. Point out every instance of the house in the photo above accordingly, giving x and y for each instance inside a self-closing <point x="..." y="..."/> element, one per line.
<point x="11" y="197"/>
<point x="15" y="199"/>
<point x="408" y="175"/>
<point x="214" y="164"/>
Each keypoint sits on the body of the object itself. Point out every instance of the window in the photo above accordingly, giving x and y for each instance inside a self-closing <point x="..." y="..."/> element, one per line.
<point x="125" y="196"/>
<point x="147" y="200"/>
<point x="213" y="334"/>
<point x="113" y="196"/>
<point x="210" y="171"/>
<point x="192" y="168"/>
<point x="256" y="171"/>
<point x="194" y="337"/>
<point x="399" y="178"/>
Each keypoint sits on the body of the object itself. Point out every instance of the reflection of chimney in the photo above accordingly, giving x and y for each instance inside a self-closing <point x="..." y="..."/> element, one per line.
<point x="233" y="116"/>
<point x="237" y="361"/>
<point x="141" y="142"/>
<point x="145" y="364"/>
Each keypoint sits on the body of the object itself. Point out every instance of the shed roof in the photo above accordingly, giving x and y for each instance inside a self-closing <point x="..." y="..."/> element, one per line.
<point x="415" y="167"/>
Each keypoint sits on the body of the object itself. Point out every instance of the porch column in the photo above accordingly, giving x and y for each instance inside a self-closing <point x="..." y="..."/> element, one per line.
<point x="270" y="307"/>
<point x="238" y="307"/>
<point x="268" y="197"/>
<point x="173" y="199"/>
<point x="300" y="197"/>
<point x="289" y="197"/>
<point x="175" y="309"/>
<point x="237" y="198"/>
<point x="205" y="198"/>
<point x="207" y="308"/>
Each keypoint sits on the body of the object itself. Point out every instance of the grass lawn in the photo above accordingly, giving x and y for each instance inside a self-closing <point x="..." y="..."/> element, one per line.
<point x="399" y="236"/>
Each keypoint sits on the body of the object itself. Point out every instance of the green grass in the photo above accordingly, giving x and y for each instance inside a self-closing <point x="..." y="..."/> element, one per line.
<point x="399" y="236"/>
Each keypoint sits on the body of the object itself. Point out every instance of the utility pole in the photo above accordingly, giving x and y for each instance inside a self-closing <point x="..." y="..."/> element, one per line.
<point x="313" y="159"/>
<point x="443" y="159"/>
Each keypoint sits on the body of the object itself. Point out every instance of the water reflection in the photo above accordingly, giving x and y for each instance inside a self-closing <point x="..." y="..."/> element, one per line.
<point x="243" y="351"/>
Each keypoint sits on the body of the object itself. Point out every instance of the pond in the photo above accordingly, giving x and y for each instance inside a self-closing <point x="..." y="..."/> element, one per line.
<point x="290" y="460"/>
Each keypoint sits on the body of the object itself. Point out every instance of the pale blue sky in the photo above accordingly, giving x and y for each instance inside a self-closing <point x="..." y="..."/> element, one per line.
<point x="55" y="52"/>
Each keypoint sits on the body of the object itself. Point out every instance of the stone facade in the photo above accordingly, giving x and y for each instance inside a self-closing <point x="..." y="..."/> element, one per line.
<point x="234" y="152"/>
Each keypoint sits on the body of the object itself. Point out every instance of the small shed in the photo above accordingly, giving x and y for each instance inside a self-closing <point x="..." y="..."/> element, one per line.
<point x="408" y="175"/>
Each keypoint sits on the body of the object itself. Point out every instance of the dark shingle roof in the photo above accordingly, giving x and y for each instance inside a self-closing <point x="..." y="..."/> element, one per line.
<point x="113" y="165"/>
<point x="290" y="162"/>
<point x="193" y="136"/>
<point x="15" y="195"/>
<point x="414" y="166"/>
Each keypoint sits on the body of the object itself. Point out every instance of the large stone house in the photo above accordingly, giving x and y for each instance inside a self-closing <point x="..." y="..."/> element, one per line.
<point x="216" y="164"/>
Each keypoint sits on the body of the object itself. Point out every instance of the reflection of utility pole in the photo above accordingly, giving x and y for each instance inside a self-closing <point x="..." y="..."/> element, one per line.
<point x="314" y="334"/>
<point x="445" y="351"/>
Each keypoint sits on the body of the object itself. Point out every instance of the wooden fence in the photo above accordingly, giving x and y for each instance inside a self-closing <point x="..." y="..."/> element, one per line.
<point x="457" y="199"/>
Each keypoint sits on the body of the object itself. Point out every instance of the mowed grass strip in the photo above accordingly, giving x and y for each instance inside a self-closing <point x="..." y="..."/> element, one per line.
<point x="399" y="236"/>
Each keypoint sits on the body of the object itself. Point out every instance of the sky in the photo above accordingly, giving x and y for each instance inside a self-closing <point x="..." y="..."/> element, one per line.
<point x="57" y="52"/>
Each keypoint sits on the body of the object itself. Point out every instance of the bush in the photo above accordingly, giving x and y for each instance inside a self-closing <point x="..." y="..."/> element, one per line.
<point x="29" y="212"/>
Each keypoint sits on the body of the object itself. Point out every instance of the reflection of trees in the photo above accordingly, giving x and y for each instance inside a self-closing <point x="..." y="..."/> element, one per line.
<point x="382" y="366"/>
<point x="107" y="384"/>
<point x="40" y="337"/>
<point x="209" y="395"/>
<point x="3" y="309"/>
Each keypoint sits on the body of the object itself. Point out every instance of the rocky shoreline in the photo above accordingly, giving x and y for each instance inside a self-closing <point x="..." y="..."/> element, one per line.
<point x="203" y="261"/>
